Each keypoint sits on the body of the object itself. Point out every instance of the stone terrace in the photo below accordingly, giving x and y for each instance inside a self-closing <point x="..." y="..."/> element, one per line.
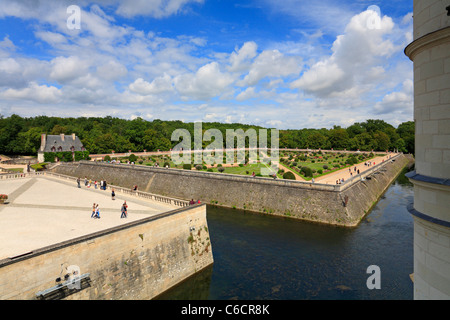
<point x="44" y="210"/>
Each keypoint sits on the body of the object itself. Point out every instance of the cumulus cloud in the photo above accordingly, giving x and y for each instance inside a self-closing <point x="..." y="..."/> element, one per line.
<point x="66" y="69"/>
<point x="111" y="70"/>
<point x="356" y="55"/>
<point x="398" y="101"/>
<point x="271" y="64"/>
<point x="240" y="59"/>
<point x="158" y="85"/>
<point x="35" y="92"/>
<point x="206" y="83"/>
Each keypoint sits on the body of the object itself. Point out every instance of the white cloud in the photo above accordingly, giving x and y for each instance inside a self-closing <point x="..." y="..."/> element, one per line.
<point x="112" y="70"/>
<point x="67" y="69"/>
<point x="153" y="8"/>
<point x="35" y="92"/>
<point x="271" y="64"/>
<point x="52" y="38"/>
<point x="241" y="59"/>
<point x="158" y="85"/>
<point x="397" y="101"/>
<point x="206" y="83"/>
<point x="357" y="55"/>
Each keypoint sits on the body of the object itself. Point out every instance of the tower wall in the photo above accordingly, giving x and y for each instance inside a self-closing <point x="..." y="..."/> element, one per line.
<point x="430" y="52"/>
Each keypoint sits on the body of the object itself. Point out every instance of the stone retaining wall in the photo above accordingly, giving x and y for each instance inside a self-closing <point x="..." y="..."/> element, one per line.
<point x="288" y="198"/>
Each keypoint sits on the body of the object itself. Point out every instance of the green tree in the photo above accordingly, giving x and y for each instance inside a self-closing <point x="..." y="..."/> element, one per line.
<point x="338" y="138"/>
<point x="382" y="141"/>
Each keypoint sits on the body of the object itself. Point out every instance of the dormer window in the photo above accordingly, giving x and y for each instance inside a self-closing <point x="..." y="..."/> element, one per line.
<point x="53" y="149"/>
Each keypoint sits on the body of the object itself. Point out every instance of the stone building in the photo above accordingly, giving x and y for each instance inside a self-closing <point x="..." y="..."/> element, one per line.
<point x="430" y="52"/>
<point x="59" y="143"/>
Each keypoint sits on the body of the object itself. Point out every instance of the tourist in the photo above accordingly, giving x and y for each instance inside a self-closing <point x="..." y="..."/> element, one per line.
<point x="85" y="181"/>
<point x="93" y="211"/>
<point x="104" y="185"/>
<point x="95" y="184"/>
<point x="124" y="210"/>
<point x="135" y="188"/>
<point x="113" y="195"/>
<point x="97" y="212"/>
<point x="78" y="182"/>
<point x="191" y="202"/>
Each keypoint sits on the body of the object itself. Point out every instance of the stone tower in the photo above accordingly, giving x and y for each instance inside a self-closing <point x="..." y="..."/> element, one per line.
<point x="430" y="52"/>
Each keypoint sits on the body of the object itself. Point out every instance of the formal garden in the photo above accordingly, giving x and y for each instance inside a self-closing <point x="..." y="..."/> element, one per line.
<point x="292" y="164"/>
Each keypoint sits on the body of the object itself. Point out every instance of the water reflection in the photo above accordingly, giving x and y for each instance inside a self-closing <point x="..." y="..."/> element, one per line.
<point x="264" y="257"/>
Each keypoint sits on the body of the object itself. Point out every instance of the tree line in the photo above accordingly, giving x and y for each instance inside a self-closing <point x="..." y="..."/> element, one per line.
<point x="22" y="135"/>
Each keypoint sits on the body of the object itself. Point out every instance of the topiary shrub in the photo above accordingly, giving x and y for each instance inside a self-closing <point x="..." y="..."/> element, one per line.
<point x="132" y="157"/>
<point x="187" y="166"/>
<point x="289" y="175"/>
<point x="307" y="172"/>
<point x="221" y="169"/>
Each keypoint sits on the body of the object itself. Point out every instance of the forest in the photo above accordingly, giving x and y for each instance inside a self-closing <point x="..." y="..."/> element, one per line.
<point x="22" y="136"/>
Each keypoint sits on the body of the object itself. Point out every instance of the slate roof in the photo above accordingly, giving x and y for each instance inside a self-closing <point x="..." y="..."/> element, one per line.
<point x="62" y="145"/>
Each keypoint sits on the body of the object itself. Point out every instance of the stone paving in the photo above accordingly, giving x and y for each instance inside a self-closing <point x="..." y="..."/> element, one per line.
<point x="42" y="211"/>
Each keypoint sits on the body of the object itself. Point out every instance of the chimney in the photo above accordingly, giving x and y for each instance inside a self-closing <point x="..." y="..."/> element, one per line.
<point x="43" y="141"/>
<point x="73" y="136"/>
<point x="62" y="136"/>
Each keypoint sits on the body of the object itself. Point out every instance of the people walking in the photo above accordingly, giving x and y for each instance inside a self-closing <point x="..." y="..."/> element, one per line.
<point x="93" y="211"/>
<point x="113" y="195"/>
<point x="78" y="182"/>
<point x="97" y="212"/>
<point x="124" y="210"/>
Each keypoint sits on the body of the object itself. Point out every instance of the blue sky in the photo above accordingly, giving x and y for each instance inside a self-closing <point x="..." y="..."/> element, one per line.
<point x="287" y="64"/>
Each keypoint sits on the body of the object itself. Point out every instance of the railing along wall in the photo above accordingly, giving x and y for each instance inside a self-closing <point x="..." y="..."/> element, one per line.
<point x="20" y="175"/>
<point x="140" y="194"/>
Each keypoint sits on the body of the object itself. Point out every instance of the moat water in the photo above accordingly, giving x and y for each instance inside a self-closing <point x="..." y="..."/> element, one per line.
<point x="265" y="257"/>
